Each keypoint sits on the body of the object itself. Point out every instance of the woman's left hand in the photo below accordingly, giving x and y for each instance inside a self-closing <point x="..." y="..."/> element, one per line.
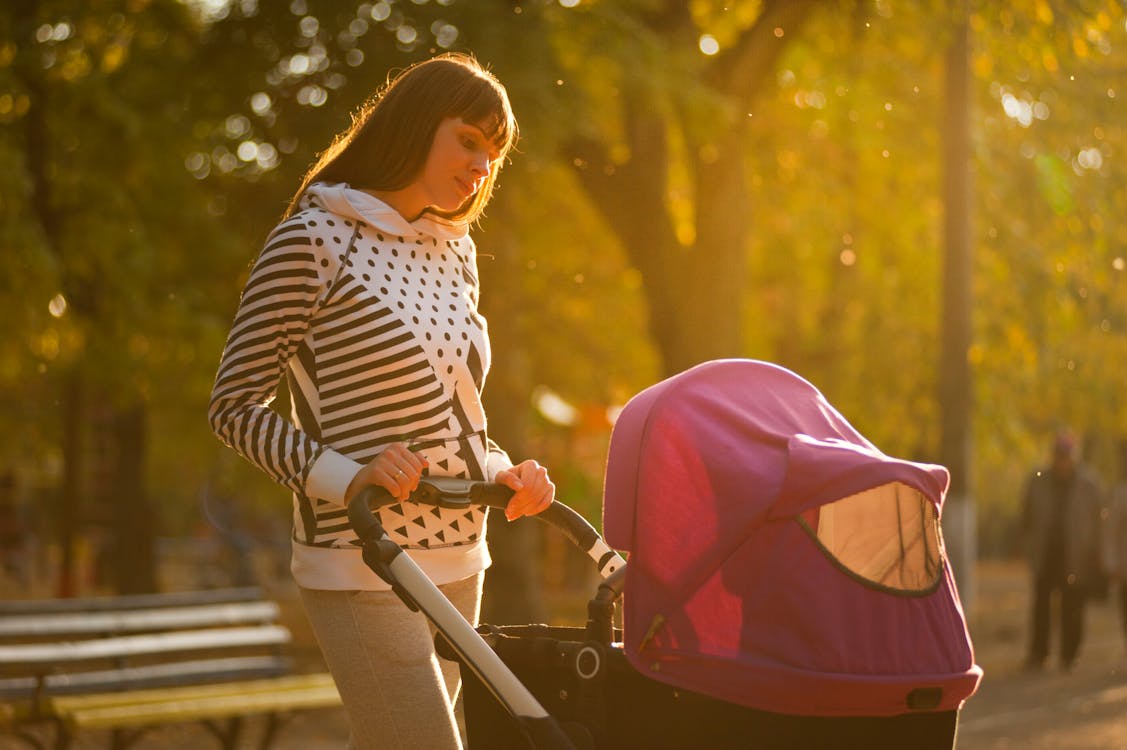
<point x="533" y="492"/>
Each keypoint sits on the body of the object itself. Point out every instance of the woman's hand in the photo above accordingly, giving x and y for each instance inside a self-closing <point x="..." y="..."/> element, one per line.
<point x="396" y="469"/>
<point x="533" y="492"/>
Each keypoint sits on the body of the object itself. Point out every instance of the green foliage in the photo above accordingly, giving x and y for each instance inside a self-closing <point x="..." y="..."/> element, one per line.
<point x="1051" y="323"/>
<point x="175" y="133"/>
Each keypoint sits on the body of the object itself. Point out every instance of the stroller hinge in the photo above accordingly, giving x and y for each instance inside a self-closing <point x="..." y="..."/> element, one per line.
<point x="600" y="620"/>
<point x="378" y="555"/>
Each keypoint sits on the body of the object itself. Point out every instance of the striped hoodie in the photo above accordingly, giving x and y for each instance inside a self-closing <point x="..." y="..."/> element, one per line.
<point x="372" y="321"/>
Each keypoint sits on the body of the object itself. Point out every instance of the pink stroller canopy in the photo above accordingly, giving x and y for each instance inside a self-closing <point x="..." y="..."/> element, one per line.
<point x="778" y="559"/>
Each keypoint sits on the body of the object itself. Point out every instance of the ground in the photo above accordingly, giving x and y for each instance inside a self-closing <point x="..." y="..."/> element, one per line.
<point x="1085" y="709"/>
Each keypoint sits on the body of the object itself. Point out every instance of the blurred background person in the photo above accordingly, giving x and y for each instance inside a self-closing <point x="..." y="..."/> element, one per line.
<point x="1117" y="535"/>
<point x="1062" y="511"/>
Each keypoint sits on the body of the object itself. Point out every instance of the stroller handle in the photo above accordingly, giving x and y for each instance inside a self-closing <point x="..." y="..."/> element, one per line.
<point x="419" y="593"/>
<point x="451" y="492"/>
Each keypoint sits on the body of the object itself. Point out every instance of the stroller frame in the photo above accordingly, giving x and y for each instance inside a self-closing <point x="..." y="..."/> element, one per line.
<point x="503" y="712"/>
<point x="418" y="592"/>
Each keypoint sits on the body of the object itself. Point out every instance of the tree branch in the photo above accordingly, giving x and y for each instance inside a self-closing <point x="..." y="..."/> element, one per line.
<point x="740" y="70"/>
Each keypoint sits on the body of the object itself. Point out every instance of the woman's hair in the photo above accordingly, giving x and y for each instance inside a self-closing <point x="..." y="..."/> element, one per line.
<point x="387" y="144"/>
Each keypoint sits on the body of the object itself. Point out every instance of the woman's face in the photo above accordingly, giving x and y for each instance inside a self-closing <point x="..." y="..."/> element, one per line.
<point x="460" y="159"/>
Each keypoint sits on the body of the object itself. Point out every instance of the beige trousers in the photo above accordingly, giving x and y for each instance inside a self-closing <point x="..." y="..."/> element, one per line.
<point x="397" y="693"/>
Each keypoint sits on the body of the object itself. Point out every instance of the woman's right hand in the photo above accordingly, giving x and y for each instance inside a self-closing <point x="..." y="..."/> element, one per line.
<point x="396" y="469"/>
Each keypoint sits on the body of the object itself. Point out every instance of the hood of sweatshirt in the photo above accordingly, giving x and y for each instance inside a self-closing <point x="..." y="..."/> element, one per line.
<point x="346" y="201"/>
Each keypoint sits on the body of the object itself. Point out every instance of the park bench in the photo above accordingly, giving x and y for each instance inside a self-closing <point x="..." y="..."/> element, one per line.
<point x="127" y="664"/>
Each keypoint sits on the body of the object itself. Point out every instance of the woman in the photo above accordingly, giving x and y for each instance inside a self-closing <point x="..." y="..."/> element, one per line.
<point x="365" y="299"/>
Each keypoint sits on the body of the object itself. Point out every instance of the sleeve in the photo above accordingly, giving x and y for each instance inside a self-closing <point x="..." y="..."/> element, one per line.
<point x="496" y="459"/>
<point x="278" y="303"/>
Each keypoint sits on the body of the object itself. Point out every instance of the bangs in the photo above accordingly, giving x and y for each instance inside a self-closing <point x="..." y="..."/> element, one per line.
<point x="482" y="104"/>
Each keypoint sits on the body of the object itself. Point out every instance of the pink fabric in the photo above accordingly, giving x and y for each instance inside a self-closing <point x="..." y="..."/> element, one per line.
<point x="726" y="594"/>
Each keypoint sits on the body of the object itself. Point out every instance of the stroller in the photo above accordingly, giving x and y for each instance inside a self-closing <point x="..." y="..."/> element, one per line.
<point x="787" y="587"/>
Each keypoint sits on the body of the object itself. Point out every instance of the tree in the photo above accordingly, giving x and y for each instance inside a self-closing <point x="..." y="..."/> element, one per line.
<point x="781" y="198"/>
<point x="693" y="268"/>
<point x="103" y="197"/>
<point x="954" y="370"/>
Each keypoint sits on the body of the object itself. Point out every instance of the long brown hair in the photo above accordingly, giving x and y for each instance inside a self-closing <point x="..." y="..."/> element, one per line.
<point x="387" y="144"/>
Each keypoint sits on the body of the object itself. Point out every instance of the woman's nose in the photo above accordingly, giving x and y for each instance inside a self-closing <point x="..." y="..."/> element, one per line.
<point x="481" y="165"/>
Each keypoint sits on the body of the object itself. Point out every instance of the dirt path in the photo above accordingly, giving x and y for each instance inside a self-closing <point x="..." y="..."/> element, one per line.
<point x="1085" y="709"/>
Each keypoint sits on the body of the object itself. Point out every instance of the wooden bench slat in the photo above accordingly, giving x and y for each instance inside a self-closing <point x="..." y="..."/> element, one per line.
<point x="131" y="661"/>
<point x="281" y="694"/>
<point x="136" y="620"/>
<point x="148" y="675"/>
<point x="209" y="708"/>
<point x="46" y="654"/>
<point x="229" y="690"/>
<point x="133" y="601"/>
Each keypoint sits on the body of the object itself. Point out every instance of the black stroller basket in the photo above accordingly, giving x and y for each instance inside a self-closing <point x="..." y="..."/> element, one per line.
<point x="602" y="702"/>
<point x="600" y="699"/>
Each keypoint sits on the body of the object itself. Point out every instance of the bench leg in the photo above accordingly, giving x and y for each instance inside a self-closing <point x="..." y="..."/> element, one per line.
<point x="63" y="736"/>
<point x="121" y="739"/>
<point x="228" y="735"/>
<point x="29" y="738"/>
<point x="273" y="722"/>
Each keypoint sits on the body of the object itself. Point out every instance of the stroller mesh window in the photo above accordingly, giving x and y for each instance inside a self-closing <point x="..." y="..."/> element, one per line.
<point x="888" y="535"/>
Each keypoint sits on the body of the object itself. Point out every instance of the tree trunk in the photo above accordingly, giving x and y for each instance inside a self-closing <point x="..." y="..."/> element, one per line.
<point x="955" y="397"/>
<point x="695" y="295"/>
<point x="133" y="561"/>
<point x="712" y="321"/>
<point x="73" y="481"/>
<point x="134" y="527"/>
<point x="36" y="137"/>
